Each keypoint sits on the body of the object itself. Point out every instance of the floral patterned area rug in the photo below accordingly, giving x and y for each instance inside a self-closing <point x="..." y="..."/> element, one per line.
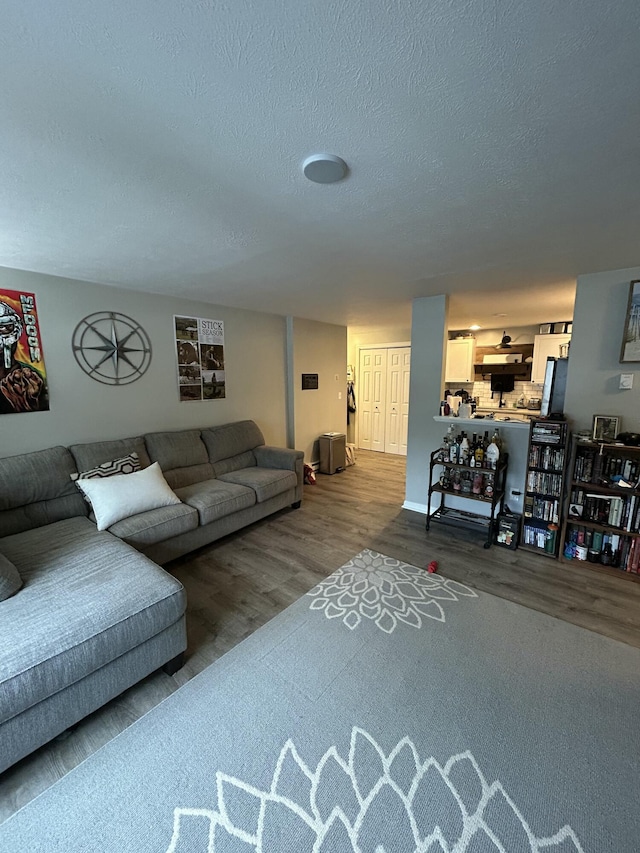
<point x="387" y="711"/>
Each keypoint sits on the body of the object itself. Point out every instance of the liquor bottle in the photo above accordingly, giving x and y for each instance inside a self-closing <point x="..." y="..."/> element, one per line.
<point x="472" y="451"/>
<point x="445" y="451"/>
<point x="457" y="482"/>
<point x="479" y="453"/>
<point x="485" y="444"/>
<point x="488" y="486"/>
<point x="464" y="449"/>
<point x="476" y="488"/>
<point x="492" y="455"/>
<point x="495" y="438"/>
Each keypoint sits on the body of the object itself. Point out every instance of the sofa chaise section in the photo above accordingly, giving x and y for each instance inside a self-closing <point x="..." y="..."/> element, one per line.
<point x="85" y="614"/>
<point x="92" y="617"/>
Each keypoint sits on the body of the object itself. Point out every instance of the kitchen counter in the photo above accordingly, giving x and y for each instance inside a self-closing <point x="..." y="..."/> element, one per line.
<point x="519" y="422"/>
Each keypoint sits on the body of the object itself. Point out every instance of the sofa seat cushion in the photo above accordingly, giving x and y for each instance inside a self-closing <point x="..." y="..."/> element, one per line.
<point x="266" y="482"/>
<point x="213" y="499"/>
<point x="87" y="598"/>
<point x="155" y="525"/>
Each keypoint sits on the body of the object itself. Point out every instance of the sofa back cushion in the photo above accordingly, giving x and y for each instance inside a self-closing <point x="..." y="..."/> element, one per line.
<point x="96" y="453"/>
<point x="182" y="456"/>
<point x="36" y="489"/>
<point x="231" y="446"/>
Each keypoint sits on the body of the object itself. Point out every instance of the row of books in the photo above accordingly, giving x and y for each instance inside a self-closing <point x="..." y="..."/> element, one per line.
<point x="618" y="511"/>
<point x="549" y="432"/>
<point x="546" y="509"/>
<point x="543" y="483"/>
<point x="544" y="456"/>
<point x="537" y="537"/>
<point x="592" y="467"/>
<point x="611" y="549"/>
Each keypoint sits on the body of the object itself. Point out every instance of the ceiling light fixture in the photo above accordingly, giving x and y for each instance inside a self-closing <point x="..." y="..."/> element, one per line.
<point x="324" y="168"/>
<point x="474" y="328"/>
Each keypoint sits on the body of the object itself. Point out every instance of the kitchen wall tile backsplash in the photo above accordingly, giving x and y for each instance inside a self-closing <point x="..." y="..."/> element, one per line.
<point x="482" y="390"/>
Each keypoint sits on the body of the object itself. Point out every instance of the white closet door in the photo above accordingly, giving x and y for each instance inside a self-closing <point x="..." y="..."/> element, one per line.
<point x="383" y="399"/>
<point x="393" y="422"/>
<point x="371" y="401"/>
<point x="404" y="372"/>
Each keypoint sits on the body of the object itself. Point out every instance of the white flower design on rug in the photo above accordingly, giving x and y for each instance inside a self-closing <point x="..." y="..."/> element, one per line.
<point x="386" y="591"/>
<point x="369" y="803"/>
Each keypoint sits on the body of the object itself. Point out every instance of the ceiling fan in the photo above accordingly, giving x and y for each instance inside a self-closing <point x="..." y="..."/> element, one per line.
<point x="505" y="343"/>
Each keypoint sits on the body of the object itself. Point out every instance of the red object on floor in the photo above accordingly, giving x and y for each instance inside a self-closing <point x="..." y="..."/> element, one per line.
<point x="432" y="567"/>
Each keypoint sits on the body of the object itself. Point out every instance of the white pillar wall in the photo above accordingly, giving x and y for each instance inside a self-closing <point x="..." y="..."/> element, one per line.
<point x="428" y="352"/>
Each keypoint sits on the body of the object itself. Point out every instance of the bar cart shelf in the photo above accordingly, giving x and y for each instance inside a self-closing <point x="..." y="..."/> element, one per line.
<point x="466" y="518"/>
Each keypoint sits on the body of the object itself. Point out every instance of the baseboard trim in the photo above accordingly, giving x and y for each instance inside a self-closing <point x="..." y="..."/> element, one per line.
<point x="414" y="507"/>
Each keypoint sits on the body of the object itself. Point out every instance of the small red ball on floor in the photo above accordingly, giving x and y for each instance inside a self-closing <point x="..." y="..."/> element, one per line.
<point x="432" y="567"/>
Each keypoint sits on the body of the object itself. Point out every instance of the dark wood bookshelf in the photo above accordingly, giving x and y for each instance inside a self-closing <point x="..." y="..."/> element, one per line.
<point x="574" y="526"/>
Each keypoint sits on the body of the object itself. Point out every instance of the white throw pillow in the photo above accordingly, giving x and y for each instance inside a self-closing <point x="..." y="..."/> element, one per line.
<point x="118" y="497"/>
<point x="125" y="465"/>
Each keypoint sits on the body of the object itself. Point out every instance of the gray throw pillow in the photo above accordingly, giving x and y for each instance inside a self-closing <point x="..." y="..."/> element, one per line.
<point x="10" y="580"/>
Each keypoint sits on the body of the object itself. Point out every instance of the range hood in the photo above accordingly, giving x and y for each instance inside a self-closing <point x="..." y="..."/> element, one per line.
<point x="503" y="358"/>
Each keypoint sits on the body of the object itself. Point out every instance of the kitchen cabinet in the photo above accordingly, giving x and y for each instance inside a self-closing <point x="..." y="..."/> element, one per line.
<point x="461" y="355"/>
<point x="543" y="347"/>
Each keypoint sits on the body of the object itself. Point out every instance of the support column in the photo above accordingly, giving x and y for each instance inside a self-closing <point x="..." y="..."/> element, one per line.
<point x="429" y="326"/>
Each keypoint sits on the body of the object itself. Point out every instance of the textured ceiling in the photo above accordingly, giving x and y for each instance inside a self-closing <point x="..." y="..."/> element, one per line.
<point x="157" y="145"/>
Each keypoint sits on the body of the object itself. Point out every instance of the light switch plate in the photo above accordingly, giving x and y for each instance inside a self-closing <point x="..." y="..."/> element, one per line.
<point x="626" y="381"/>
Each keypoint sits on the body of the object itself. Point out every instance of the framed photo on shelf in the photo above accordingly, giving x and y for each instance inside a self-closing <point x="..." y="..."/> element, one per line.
<point x="605" y="428"/>
<point x="630" y="350"/>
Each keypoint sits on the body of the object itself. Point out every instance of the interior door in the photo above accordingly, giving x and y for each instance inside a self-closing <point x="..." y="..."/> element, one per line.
<point x="383" y="399"/>
<point x="399" y="404"/>
<point x="393" y="420"/>
<point x="372" y="396"/>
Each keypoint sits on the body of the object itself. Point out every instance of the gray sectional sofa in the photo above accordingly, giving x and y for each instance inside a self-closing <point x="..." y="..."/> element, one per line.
<point x="94" y="612"/>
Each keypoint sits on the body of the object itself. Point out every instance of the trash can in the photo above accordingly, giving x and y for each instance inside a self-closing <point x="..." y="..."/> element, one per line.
<point x="333" y="451"/>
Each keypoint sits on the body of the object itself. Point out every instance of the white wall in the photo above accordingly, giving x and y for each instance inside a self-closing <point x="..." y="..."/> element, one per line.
<point x="85" y="410"/>
<point x="594" y="356"/>
<point x="372" y="335"/>
<point x="319" y="348"/>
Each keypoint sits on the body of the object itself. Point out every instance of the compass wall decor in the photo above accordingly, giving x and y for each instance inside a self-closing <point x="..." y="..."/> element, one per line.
<point x="111" y="348"/>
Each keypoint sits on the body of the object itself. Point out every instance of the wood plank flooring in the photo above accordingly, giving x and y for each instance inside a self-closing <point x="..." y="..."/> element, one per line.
<point x="237" y="584"/>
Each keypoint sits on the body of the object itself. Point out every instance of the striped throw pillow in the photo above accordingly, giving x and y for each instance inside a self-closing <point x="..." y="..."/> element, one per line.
<point x="125" y="465"/>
